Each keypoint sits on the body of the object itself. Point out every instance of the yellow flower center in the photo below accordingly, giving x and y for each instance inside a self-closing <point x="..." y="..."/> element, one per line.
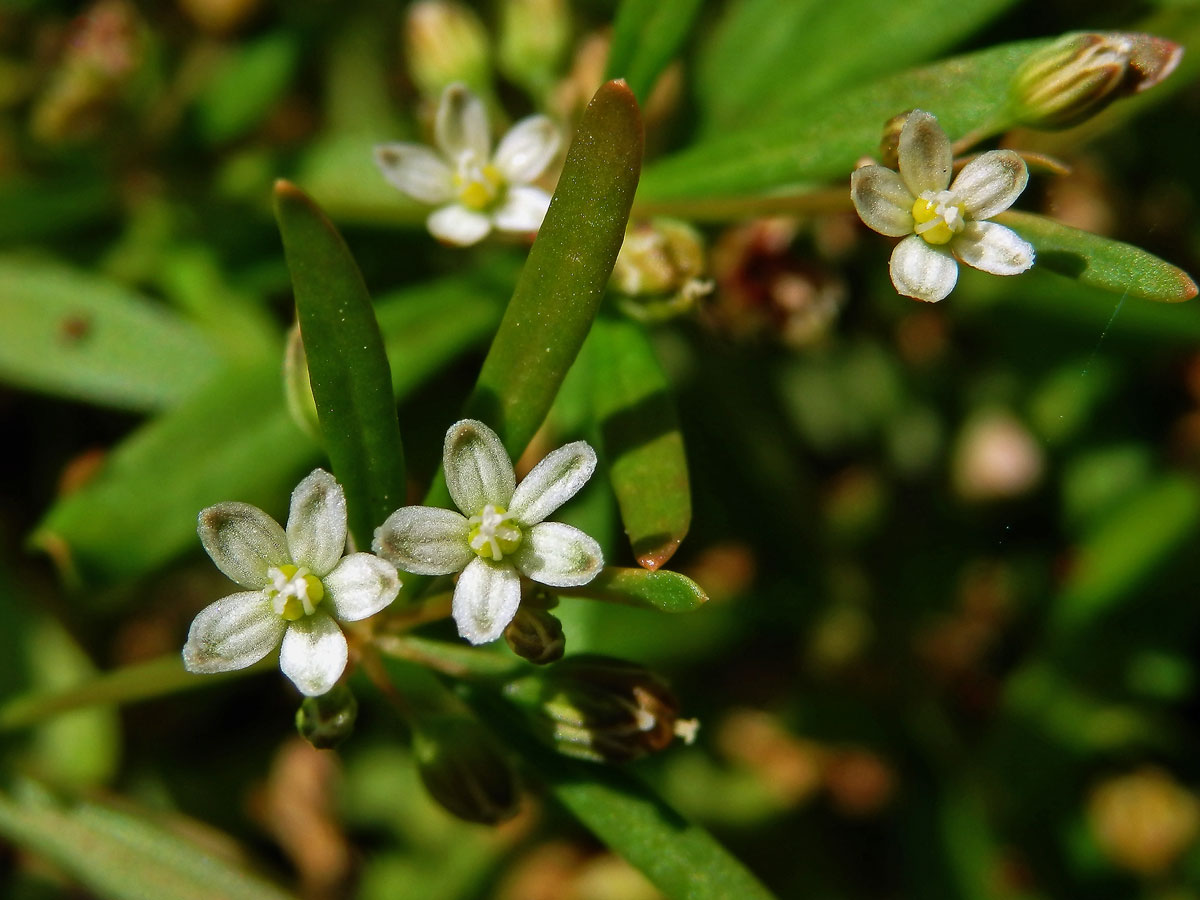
<point x="293" y="592"/>
<point x="479" y="187"/>
<point x="493" y="533"/>
<point x="939" y="216"/>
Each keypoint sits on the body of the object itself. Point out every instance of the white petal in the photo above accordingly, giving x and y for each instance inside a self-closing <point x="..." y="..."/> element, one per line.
<point x="458" y="225"/>
<point x="316" y="527"/>
<point x="558" y="555"/>
<point x="243" y="541"/>
<point x="462" y="124"/>
<point x="522" y="211"/>
<point x="416" y="170"/>
<point x="925" y="156"/>
<point x="485" y="600"/>
<point x="478" y="470"/>
<point x="993" y="248"/>
<point x="882" y="200"/>
<point x="527" y="149"/>
<point x="921" y="271"/>
<point x="424" y="540"/>
<point x="233" y="633"/>
<point x="360" y="586"/>
<point x="989" y="184"/>
<point x="552" y="482"/>
<point x="313" y="654"/>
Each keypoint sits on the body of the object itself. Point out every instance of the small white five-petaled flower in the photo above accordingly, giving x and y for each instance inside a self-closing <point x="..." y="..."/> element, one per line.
<point x="299" y="583"/>
<point x="943" y="221"/>
<point x="474" y="190"/>
<point x="500" y="534"/>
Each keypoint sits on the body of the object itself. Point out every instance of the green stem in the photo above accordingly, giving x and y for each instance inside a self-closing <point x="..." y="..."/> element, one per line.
<point x="724" y="209"/>
<point x="449" y="659"/>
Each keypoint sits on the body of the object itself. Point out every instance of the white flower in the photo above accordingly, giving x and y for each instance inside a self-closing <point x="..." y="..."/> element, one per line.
<point x="942" y="220"/>
<point x="298" y="580"/>
<point x="500" y="534"/>
<point x="475" y="190"/>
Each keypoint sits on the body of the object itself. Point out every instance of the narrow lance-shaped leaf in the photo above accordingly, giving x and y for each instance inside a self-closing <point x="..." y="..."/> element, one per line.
<point x="120" y="855"/>
<point x="640" y="435"/>
<point x="967" y="94"/>
<point x="351" y="380"/>
<point x="647" y="34"/>
<point x="563" y="281"/>
<point x="664" y="591"/>
<point x="1100" y="262"/>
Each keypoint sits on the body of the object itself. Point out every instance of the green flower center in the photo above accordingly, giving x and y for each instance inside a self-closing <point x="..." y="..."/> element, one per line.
<point x="293" y="592"/>
<point x="493" y="533"/>
<point x="479" y="187"/>
<point x="939" y="216"/>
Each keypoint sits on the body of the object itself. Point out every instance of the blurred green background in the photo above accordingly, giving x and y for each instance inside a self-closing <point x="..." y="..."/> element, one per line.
<point x="951" y="647"/>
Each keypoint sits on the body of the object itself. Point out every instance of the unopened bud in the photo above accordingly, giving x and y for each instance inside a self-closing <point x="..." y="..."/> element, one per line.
<point x="463" y="769"/>
<point x="297" y="385"/>
<point x="1082" y="73"/>
<point x="535" y="635"/>
<point x="602" y="709"/>
<point x="445" y="42"/>
<point x="534" y="35"/>
<point x="889" y="144"/>
<point x="327" y="720"/>
<point x="103" y="50"/>
<point x="659" y="269"/>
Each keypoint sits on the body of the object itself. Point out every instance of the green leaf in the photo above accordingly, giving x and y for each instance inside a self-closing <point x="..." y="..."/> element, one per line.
<point x="967" y="94"/>
<point x="1129" y="545"/>
<point x="86" y="338"/>
<point x="351" y="380"/>
<point x="248" y="82"/>
<point x="640" y="435"/>
<point x="803" y="50"/>
<point x="235" y="441"/>
<point x="120" y="855"/>
<point x="647" y="34"/>
<point x="563" y="281"/>
<point x="129" y="684"/>
<point x="664" y="590"/>
<point x="1099" y="262"/>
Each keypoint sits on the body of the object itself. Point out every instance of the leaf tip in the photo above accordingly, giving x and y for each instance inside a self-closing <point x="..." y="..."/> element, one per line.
<point x="1187" y="286"/>
<point x="657" y="555"/>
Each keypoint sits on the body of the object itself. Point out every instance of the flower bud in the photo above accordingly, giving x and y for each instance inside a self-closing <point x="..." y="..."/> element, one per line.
<point x="445" y="42"/>
<point x="1081" y="73"/>
<point x="535" y="635"/>
<point x="462" y="768"/>
<point x="327" y="720"/>
<point x="297" y="385"/>
<point x="659" y="269"/>
<point x="534" y="35"/>
<point x="889" y="144"/>
<point x="602" y="709"/>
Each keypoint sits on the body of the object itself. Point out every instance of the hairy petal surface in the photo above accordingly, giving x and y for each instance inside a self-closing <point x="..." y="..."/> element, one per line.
<point x="424" y="540"/>
<point x="993" y="248"/>
<point x="360" y="586"/>
<point x="462" y="124"/>
<point x="925" y="156"/>
<point x="416" y="171"/>
<point x="558" y="555"/>
<point x="523" y="210"/>
<point x="316" y="526"/>
<point x="990" y="183"/>
<point x="552" y="482"/>
<point x="243" y="541"/>
<point x="485" y="600"/>
<point x="527" y="149"/>
<point x="457" y="225"/>
<point x="478" y="470"/>
<point x="882" y="200"/>
<point x="313" y="654"/>
<point x="918" y="270"/>
<point x="233" y="633"/>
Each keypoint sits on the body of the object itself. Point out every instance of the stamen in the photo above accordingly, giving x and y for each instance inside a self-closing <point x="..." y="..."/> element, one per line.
<point x="294" y="593"/>
<point x="493" y="533"/>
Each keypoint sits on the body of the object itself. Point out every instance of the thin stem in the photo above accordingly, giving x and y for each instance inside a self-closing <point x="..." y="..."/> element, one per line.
<point x="449" y="659"/>
<point x="723" y="209"/>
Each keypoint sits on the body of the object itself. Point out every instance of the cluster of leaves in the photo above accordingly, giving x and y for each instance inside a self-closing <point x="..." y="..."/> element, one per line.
<point x="913" y="673"/>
